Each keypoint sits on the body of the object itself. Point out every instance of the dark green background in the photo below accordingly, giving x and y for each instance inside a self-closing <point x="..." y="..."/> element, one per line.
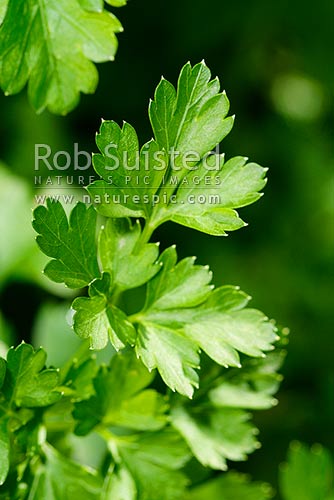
<point x="275" y="60"/>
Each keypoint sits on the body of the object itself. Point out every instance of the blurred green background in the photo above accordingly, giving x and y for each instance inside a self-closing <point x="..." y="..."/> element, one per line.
<point x="275" y="61"/>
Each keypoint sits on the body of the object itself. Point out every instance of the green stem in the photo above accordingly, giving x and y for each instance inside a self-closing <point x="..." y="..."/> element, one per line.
<point x="145" y="236"/>
<point x="115" y="297"/>
<point x="157" y="218"/>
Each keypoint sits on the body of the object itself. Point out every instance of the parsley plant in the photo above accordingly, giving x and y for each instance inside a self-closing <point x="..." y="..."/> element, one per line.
<point x="188" y="366"/>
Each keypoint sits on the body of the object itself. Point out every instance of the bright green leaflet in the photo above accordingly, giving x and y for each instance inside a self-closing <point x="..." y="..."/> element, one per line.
<point x="166" y="181"/>
<point x="71" y="243"/>
<point x="52" y="46"/>
<point x="183" y="314"/>
<point x="27" y="384"/>
<point x="95" y="318"/>
<point x="193" y="117"/>
<point x="130" y="175"/>
<point x="160" y="345"/>
<point x="236" y="184"/>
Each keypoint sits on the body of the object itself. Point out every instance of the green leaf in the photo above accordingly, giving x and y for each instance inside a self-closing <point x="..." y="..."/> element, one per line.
<point x="193" y="118"/>
<point x="183" y="315"/>
<point x="308" y="473"/>
<point x="231" y="486"/>
<point x="58" y="477"/>
<point x="216" y="193"/>
<point x="130" y="176"/>
<point x="224" y="434"/>
<point x="129" y="264"/>
<point x="51" y="47"/>
<point x="27" y="382"/>
<point x="178" y="285"/>
<point x="172" y="354"/>
<point x="183" y="180"/>
<point x="122" y="398"/>
<point x="161" y="112"/>
<point x="247" y="331"/>
<point x="153" y="460"/>
<point x="71" y="243"/>
<point x="161" y="346"/>
<point x="232" y="326"/>
<point x="99" y="320"/>
<point x="252" y="387"/>
<point x="4" y="449"/>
